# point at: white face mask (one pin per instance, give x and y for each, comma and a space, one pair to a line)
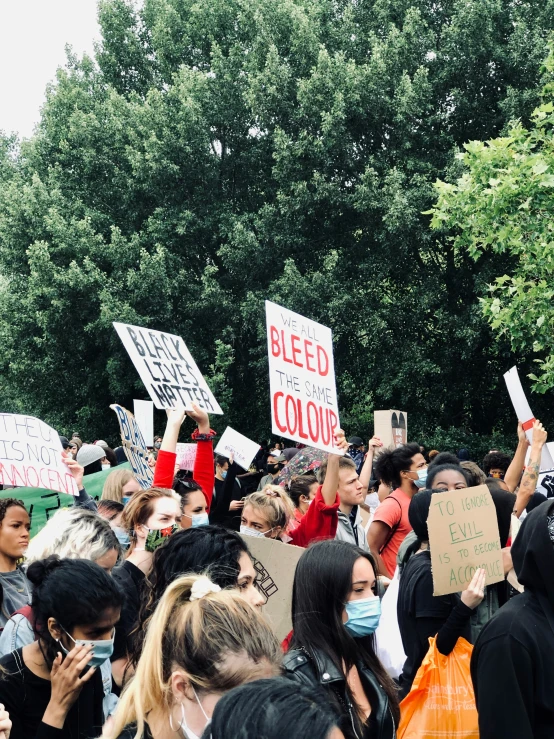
184, 728
246, 531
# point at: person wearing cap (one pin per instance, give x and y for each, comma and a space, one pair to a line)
63, 441
357, 452
90, 457
275, 463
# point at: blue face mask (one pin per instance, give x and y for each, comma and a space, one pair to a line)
421, 478
198, 519
363, 616
126, 499
122, 537
224, 474
103, 649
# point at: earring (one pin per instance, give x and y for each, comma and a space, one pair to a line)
180, 723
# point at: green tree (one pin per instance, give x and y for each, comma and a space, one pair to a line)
503, 204
217, 154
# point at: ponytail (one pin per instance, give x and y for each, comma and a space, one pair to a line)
274, 504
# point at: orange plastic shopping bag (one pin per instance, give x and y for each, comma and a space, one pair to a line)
441, 702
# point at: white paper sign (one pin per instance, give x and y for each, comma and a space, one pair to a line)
186, 456
301, 378
144, 416
167, 368
31, 455
525, 414
134, 446
241, 447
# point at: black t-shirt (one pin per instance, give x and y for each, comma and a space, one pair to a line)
25, 696
421, 615
132, 581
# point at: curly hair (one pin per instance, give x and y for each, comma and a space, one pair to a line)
6, 503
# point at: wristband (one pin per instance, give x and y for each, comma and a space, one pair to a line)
197, 436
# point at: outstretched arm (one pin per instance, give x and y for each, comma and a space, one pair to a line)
530, 477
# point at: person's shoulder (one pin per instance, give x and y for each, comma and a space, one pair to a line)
520, 619
12, 665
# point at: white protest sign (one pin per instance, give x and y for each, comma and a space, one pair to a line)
525, 414
167, 368
31, 455
241, 447
186, 456
301, 378
134, 446
144, 416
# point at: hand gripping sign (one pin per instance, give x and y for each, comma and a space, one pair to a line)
167, 369
301, 378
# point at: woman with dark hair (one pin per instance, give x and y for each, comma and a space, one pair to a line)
335, 612
447, 477
52, 687
218, 552
302, 490
15, 526
420, 613
274, 708
405, 470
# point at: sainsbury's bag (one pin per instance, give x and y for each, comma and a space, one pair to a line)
441, 702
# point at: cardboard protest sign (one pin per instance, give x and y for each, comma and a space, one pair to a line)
463, 536
391, 427
144, 416
525, 414
31, 455
275, 565
241, 447
186, 456
132, 442
301, 378
166, 368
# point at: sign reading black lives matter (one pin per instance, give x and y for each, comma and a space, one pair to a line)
167, 369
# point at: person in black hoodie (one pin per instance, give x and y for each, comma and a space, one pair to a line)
512, 666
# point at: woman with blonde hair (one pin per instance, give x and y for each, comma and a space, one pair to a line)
181, 673
120, 485
149, 518
270, 512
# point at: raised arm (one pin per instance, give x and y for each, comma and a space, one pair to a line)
515, 470
331, 482
365, 474
530, 477
165, 464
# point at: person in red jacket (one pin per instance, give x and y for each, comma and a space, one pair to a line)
196, 494
270, 512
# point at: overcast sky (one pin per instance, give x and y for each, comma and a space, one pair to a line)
33, 35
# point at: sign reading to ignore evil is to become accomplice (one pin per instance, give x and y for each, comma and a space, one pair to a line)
463, 536
31, 455
167, 369
134, 447
301, 378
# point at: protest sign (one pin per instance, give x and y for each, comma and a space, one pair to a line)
463, 536
391, 427
301, 378
166, 368
31, 455
545, 484
144, 416
133, 444
186, 456
275, 565
525, 415
241, 447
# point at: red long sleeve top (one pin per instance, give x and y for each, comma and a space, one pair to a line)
203, 472
319, 522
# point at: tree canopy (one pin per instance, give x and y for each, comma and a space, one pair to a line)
213, 155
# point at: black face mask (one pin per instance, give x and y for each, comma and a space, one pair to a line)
273, 468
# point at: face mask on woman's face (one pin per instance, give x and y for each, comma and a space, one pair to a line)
198, 519
247, 531
363, 616
103, 649
224, 474
122, 537
156, 537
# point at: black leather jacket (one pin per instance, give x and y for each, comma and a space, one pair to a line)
298, 666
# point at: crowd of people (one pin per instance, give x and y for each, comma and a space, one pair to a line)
139, 614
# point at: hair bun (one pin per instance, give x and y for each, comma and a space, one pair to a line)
38, 571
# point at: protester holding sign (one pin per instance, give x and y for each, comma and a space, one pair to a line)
405, 469
201, 642
52, 687
335, 612
149, 518
352, 494
15, 526
271, 512
420, 613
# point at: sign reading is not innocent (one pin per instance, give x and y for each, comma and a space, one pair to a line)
166, 368
463, 536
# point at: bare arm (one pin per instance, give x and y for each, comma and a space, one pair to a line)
515, 470
331, 482
365, 474
377, 537
531, 475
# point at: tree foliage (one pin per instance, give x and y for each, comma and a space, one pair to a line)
213, 155
503, 204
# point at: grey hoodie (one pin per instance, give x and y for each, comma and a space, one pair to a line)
345, 532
